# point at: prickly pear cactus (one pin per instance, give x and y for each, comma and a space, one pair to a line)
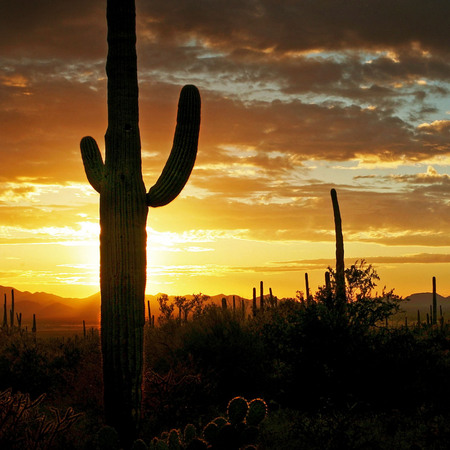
240, 429
257, 411
210, 432
237, 410
190, 432
174, 440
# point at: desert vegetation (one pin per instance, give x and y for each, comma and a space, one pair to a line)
320, 370
330, 378
329, 369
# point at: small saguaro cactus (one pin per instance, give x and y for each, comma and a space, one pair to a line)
11, 312
5, 317
19, 321
124, 205
434, 309
307, 286
261, 295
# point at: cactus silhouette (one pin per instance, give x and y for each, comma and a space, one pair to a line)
341, 298
11, 312
5, 317
237, 410
239, 430
124, 206
434, 303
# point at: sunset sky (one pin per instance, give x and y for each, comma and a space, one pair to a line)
298, 97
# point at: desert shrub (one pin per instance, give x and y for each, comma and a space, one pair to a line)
315, 360
226, 352
24, 423
351, 428
308, 357
305, 356
25, 366
417, 367
193, 366
67, 370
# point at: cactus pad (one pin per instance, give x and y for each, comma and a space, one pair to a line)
237, 410
210, 431
257, 412
190, 433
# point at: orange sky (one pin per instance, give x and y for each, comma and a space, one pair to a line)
297, 98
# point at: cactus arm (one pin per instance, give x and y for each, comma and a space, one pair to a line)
184, 150
92, 161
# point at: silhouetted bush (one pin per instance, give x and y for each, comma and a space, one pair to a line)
329, 379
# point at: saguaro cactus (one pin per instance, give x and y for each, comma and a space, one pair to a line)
261, 295
5, 317
341, 298
11, 312
434, 304
123, 214
307, 286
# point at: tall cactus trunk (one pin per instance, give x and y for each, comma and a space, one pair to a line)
341, 298
123, 215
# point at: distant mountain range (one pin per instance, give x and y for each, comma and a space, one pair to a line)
422, 302
52, 308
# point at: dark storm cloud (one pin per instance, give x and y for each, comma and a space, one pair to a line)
409, 81
294, 25
53, 29
47, 46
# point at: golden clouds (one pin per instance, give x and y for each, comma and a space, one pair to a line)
297, 98
14, 80
437, 126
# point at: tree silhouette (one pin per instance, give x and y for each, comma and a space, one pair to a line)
123, 214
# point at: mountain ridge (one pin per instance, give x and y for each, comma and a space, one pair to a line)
51, 307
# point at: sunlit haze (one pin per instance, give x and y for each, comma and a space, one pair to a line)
297, 98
